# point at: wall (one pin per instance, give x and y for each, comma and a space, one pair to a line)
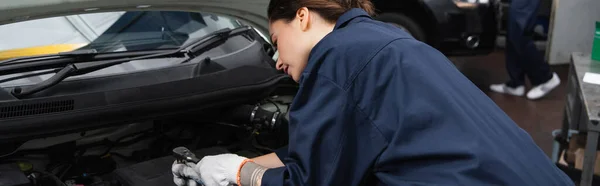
571, 29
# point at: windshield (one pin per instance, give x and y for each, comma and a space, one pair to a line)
108, 32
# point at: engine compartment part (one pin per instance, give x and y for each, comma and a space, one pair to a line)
153, 172
141, 153
105, 108
183, 155
159, 87
11, 175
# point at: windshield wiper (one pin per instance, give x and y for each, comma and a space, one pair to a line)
214, 39
59, 61
193, 49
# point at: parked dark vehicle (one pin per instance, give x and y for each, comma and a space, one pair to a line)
455, 27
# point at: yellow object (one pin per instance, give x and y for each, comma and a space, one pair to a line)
25, 166
38, 50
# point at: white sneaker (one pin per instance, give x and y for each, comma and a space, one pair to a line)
502, 88
544, 88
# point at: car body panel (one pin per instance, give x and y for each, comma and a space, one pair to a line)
455, 24
481, 21
237, 71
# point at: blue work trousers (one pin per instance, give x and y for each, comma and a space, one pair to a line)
522, 56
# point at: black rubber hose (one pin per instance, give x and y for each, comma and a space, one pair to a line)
255, 117
240, 115
247, 115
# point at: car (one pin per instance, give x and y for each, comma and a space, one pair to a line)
102, 92
454, 27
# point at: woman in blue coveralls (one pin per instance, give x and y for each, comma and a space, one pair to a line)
522, 56
377, 107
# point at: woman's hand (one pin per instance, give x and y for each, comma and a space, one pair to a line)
219, 170
185, 175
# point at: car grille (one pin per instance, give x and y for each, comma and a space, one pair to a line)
36, 108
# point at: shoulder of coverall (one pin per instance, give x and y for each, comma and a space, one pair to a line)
356, 39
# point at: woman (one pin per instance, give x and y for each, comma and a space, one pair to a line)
376, 106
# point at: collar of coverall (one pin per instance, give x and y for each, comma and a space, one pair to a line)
342, 21
349, 16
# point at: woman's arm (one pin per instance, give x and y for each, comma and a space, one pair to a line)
268, 160
331, 142
272, 160
261, 164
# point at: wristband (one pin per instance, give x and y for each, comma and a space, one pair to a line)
251, 174
238, 177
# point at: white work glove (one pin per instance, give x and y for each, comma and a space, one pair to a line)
218, 170
185, 175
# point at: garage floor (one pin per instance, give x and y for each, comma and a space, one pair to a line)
539, 117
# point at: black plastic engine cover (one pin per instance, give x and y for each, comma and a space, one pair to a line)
156, 172
10, 175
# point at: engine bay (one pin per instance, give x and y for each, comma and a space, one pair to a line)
140, 153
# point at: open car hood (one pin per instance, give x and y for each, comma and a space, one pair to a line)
252, 11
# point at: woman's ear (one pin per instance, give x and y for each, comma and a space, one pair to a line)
303, 16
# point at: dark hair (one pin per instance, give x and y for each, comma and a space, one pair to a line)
330, 10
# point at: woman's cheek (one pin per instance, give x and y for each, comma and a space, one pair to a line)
297, 74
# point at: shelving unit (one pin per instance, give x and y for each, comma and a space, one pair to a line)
582, 110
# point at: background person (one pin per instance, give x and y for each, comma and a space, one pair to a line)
522, 56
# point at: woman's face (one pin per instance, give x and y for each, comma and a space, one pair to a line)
295, 39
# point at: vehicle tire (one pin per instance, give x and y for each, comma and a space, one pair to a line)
404, 22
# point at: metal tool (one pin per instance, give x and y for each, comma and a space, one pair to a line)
183, 155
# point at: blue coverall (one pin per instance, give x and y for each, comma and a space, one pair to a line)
377, 107
522, 56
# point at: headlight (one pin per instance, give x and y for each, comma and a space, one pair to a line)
470, 3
